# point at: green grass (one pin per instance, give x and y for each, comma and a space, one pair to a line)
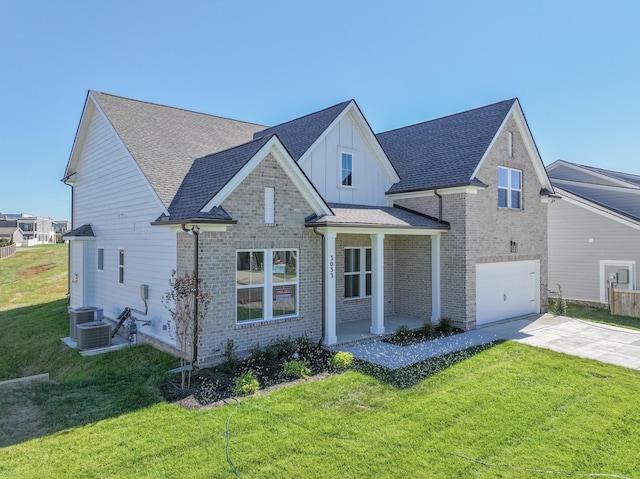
510, 405
600, 315
513, 406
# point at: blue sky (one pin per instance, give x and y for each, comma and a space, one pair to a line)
574, 65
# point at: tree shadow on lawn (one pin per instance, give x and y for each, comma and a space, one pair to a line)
83, 389
408, 376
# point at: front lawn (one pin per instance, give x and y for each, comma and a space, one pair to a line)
516, 407
500, 411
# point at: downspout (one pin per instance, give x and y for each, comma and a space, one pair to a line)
435, 192
196, 233
64, 180
315, 230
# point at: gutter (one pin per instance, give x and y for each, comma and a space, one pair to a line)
435, 192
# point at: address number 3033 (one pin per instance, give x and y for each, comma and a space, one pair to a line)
331, 269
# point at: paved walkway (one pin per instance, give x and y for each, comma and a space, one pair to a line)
601, 342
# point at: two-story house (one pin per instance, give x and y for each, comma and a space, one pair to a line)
300, 228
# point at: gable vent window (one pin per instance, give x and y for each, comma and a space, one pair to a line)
509, 188
269, 206
510, 144
346, 174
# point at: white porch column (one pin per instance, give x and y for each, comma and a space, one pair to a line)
436, 313
377, 283
329, 299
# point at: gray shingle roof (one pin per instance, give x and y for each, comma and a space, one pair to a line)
84, 230
206, 177
445, 151
376, 216
624, 200
165, 141
298, 135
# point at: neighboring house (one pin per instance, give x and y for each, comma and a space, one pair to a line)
35, 229
11, 233
303, 227
594, 231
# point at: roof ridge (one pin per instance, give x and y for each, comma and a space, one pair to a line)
264, 138
175, 108
602, 171
305, 116
451, 115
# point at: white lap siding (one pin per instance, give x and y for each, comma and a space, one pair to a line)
112, 195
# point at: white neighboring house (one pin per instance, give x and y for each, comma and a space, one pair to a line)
308, 226
35, 229
594, 231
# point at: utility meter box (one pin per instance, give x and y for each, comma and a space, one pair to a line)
622, 276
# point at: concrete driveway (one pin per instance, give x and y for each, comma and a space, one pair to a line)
604, 343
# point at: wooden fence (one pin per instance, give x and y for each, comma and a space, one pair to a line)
624, 302
6, 251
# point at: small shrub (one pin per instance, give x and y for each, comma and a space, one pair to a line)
428, 329
296, 369
255, 353
246, 384
445, 326
401, 334
230, 361
341, 360
304, 346
284, 347
560, 304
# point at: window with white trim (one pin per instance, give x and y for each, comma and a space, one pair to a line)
357, 272
100, 259
121, 266
266, 284
509, 188
346, 170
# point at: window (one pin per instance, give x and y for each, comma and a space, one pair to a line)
346, 175
357, 273
266, 284
100, 259
121, 266
509, 188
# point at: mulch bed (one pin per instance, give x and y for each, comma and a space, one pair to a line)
407, 337
212, 387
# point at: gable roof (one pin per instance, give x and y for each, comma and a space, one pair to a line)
205, 179
84, 231
212, 178
446, 151
298, 135
614, 191
164, 141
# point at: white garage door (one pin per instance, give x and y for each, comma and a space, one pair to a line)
507, 290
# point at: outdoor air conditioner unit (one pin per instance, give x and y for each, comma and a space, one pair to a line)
96, 334
82, 315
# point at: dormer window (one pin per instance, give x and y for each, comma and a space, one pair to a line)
509, 188
346, 174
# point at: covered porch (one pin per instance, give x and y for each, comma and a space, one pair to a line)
372, 224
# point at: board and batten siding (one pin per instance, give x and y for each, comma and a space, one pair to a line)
322, 165
112, 195
574, 260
